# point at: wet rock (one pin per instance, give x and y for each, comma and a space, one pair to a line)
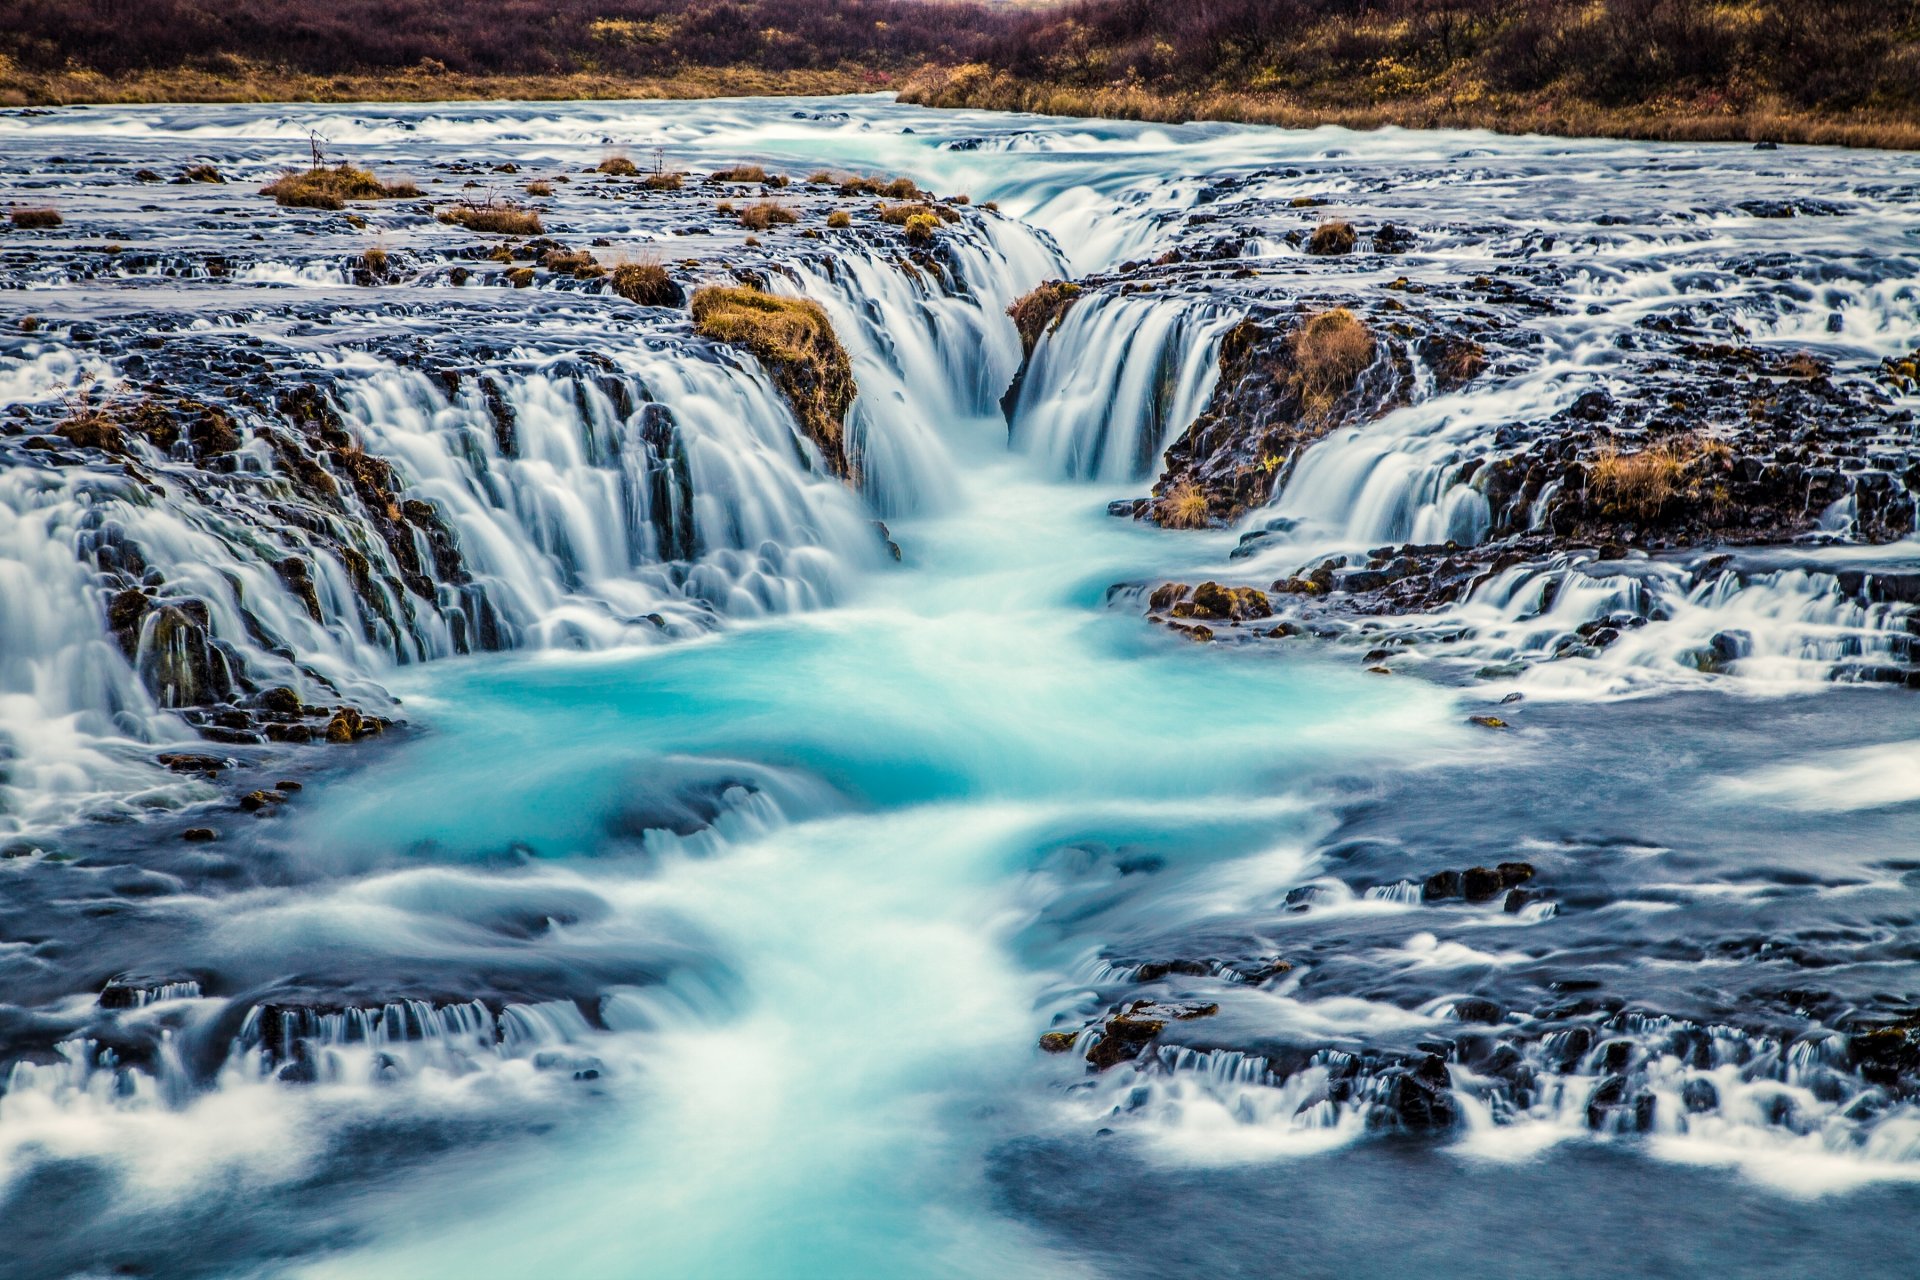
1415, 1096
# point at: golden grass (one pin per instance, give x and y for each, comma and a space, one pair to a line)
758, 217
1040, 309
1330, 351
1331, 239
35, 219
662, 182
646, 283
618, 166
920, 228
1183, 507
258, 82
839, 219
741, 173
794, 341
493, 219
975, 85
322, 188
539, 188
1640, 485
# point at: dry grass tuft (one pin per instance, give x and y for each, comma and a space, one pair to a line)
758, 217
663, 182
618, 166
742, 173
1638, 485
198, 173
35, 219
493, 219
794, 341
920, 228
1184, 506
1332, 239
322, 188
1330, 352
539, 188
839, 220
1041, 309
1642, 484
647, 284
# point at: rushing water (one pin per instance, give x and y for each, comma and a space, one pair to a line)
720, 944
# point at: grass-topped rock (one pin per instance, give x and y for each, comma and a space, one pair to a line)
330, 188
794, 341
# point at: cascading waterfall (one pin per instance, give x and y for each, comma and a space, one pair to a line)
1116, 380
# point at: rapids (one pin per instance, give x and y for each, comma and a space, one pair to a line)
706, 919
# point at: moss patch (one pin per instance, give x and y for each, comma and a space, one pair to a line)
793, 339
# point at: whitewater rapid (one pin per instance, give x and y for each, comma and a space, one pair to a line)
711, 926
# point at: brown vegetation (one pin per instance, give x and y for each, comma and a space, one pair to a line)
1184, 506
742, 173
1040, 309
493, 219
1332, 239
647, 284
1330, 352
839, 220
662, 182
794, 341
758, 217
324, 188
1640, 485
618, 166
1830, 71
35, 219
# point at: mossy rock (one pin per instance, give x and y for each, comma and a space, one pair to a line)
794, 341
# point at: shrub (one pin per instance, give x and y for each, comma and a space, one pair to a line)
494, 219
619, 167
520, 277
920, 228
198, 173
821, 178
375, 261
647, 284
36, 219
1184, 506
839, 219
1041, 309
1332, 239
758, 217
539, 188
663, 182
322, 188
741, 173
794, 341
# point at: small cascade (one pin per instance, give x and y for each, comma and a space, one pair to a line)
932, 353
1117, 379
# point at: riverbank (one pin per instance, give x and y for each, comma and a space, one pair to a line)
251, 82
1662, 120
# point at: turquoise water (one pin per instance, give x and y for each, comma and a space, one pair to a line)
876, 957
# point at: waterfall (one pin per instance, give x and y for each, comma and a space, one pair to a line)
1116, 381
